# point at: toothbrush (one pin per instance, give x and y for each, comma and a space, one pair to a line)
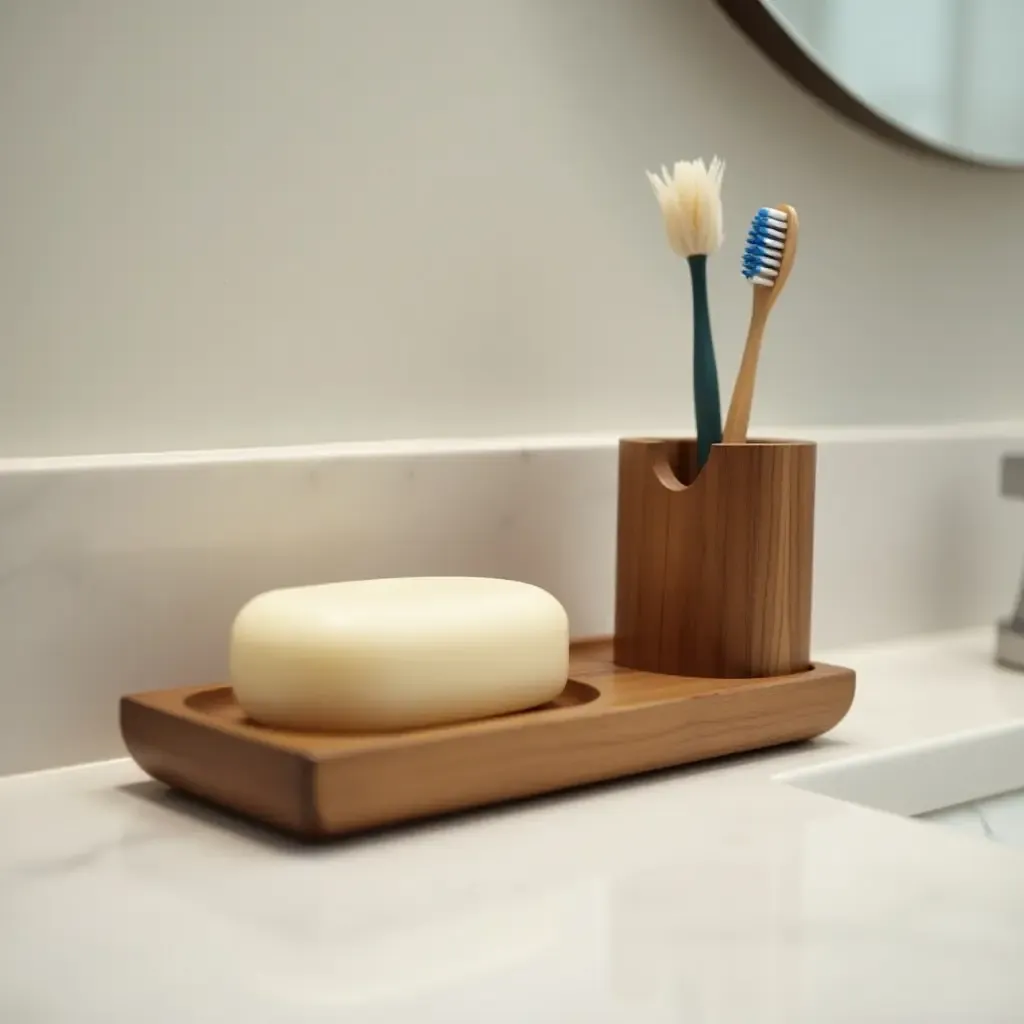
691, 204
767, 261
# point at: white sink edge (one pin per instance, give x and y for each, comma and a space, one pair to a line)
924, 776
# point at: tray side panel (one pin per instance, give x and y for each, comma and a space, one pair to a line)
272, 784
377, 787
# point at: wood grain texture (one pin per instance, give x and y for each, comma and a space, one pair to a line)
609, 722
713, 576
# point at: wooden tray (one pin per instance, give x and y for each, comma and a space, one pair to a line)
608, 722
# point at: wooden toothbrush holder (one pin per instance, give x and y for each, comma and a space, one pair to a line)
713, 571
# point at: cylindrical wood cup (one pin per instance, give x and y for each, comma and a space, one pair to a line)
713, 572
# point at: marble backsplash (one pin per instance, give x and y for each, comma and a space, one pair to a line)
123, 574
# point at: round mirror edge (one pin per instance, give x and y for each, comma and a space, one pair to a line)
769, 35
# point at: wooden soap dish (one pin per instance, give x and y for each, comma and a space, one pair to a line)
608, 722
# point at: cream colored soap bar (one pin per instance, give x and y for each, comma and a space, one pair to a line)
397, 653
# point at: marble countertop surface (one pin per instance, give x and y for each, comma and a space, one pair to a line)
708, 894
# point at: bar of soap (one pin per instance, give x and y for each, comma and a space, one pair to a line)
377, 655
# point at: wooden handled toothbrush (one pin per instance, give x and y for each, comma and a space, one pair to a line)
767, 261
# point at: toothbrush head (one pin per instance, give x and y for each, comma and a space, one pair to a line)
771, 247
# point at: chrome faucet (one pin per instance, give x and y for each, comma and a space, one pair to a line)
1010, 638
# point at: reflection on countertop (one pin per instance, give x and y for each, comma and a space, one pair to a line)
704, 894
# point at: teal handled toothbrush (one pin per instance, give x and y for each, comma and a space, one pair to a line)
691, 203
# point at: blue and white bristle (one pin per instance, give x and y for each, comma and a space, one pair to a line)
765, 243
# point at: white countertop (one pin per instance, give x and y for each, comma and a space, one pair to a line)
709, 894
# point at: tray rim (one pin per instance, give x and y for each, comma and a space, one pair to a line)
173, 702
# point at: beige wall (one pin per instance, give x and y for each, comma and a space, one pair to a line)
236, 222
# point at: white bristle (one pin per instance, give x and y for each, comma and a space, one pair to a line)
766, 247
690, 197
